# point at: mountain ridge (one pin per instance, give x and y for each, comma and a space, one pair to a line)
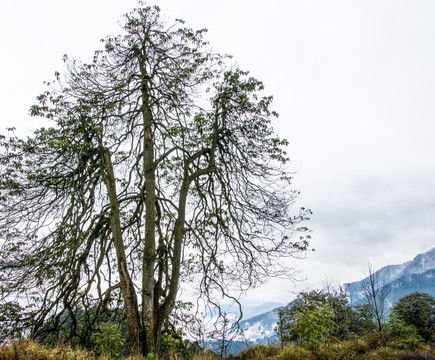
394, 275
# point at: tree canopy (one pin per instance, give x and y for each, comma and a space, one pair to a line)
417, 309
159, 165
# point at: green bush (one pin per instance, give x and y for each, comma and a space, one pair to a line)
108, 340
314, 325
407, 334
376, 339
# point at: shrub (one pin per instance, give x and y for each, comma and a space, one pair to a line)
417, 309
376, 339
108, 340
406, 334
313, 326
358, 346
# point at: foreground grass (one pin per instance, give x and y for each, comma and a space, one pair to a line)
32, 351
375, 346
371, 347
28, 350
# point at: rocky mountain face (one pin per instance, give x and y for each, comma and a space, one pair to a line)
400, 280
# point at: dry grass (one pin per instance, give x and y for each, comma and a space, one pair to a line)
259, 352
207, 356
293, 352
373, 347
28, 350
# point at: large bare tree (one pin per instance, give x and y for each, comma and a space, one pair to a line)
159, 165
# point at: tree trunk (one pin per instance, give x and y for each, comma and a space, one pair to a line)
126, 283
149, 252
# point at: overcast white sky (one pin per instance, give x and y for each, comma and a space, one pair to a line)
353, 81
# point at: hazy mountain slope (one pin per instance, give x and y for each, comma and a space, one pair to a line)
422, 282
402, 279
260, 326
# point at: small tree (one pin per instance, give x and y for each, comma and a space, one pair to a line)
282, 328
108, 340
407, 333
10, 325
417, 309
364, 320
314, 325
223, 333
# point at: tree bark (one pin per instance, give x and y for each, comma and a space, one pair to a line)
149, 252
126, 283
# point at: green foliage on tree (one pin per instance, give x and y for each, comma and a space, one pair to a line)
408, 334
11, 324
173, 344
364, 319
314, 325
347, 319
282, 328
418, 310
159, 164
307, 320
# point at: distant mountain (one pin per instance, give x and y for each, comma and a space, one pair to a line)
257, 330
423, 282
253, 309
400, 280
260, 326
